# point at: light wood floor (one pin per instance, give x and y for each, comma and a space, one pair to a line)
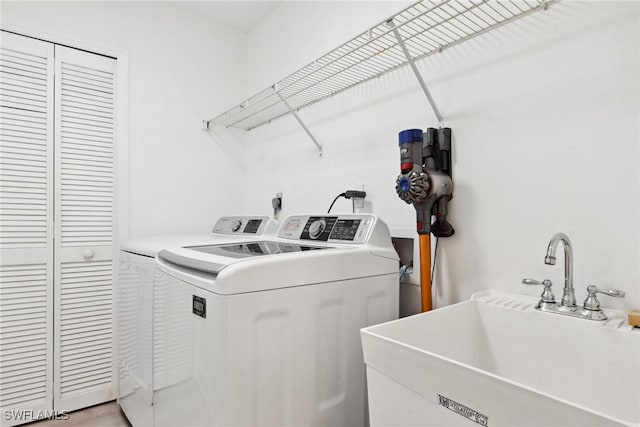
105, 415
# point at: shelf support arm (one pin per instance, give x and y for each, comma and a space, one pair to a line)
412, 64
295, 114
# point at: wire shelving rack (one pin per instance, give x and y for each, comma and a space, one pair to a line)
420, 30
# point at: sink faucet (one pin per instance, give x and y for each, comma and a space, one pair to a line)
568, 296
591, 307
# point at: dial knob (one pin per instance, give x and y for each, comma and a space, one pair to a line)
316, 228
235, 225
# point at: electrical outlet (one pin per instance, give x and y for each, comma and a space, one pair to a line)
276, 203
357, 202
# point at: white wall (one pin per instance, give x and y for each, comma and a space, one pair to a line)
544, 111
298, 32
546, 121
182, 69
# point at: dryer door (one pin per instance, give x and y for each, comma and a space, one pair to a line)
134, 294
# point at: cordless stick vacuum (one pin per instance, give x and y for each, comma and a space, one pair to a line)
425, 182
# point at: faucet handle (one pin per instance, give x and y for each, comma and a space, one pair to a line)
592, 303
547, 294
546, 282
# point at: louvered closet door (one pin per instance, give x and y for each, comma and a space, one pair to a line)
26, 230
84, 164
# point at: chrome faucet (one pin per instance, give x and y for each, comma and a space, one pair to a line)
591, 307
568, 301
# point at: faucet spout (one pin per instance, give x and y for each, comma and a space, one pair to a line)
568, 297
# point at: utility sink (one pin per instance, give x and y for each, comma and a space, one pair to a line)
495, 360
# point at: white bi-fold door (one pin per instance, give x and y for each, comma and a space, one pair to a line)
84, 227
26, 226
57, 162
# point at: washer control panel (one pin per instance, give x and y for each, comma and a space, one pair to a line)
241, 225
329, 228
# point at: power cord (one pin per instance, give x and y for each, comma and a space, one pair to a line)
349, 194
433, 270
334, 201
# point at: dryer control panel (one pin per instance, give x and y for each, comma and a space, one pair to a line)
241, 225
328, 228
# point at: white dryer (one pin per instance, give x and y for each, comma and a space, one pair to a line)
140, 310
268, 331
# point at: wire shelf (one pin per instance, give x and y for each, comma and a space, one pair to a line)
426, 27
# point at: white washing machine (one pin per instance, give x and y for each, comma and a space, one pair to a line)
268, 331
140, 311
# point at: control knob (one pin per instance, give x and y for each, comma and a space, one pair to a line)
316, 228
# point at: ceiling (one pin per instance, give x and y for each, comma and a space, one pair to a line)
240, 15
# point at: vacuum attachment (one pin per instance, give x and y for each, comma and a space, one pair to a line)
425, 178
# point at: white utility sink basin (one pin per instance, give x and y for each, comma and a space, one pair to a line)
495, 360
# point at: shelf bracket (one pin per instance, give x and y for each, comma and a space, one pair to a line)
412, 64
295, 114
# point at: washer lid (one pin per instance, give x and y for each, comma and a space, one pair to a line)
150, 246
250, 249
213, 258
